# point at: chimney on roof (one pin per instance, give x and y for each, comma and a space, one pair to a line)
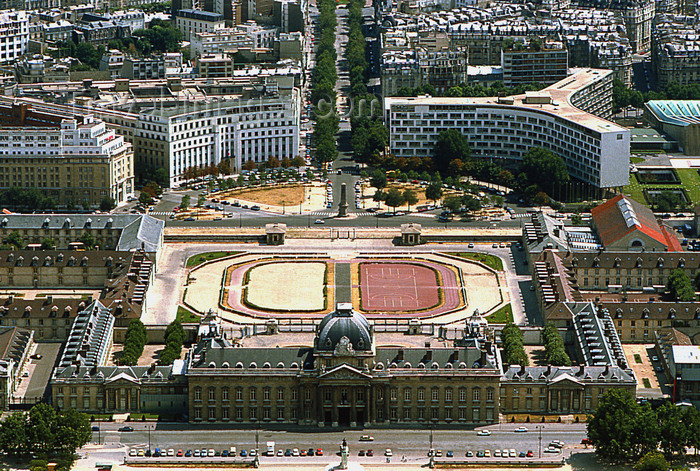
49, 298
399, 356
549, 370
522, 369
607, 370
11, 298
580, 370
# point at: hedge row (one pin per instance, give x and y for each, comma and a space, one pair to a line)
134, 342
554, 347
513, 349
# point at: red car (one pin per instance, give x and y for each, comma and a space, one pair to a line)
370, 453
530, 454
180, 453
319, 452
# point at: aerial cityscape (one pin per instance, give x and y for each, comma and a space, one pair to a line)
349, 234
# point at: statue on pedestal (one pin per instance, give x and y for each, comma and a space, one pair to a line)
344, 455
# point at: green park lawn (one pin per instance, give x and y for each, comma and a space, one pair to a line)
690, 181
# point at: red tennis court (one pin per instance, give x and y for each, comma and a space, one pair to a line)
397, 287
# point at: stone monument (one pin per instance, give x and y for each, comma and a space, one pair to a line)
343, 206
343, 453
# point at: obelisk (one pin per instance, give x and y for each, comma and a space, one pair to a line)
343, 206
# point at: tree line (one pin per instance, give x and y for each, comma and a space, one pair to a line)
623, 430
468, 90
554, 349
513, 349
174, 338
323, 86
134, 341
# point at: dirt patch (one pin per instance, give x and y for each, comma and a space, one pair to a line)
645, 369
291, 195
418, 190
536, 354
287, 286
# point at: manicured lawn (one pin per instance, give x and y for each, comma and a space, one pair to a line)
489, 260
637, 160
647, 383
502, 316
638, 358
101, 417
140, 416
690, 181
195, 260
187, 317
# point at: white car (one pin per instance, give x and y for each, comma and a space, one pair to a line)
295, 452
132, 452
483, 433
387, 452
171, 452
520, 430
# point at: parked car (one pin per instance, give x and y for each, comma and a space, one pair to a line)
295, 452
530, 454
132, 452
388, 452
255, 207
469, 454
551, 449
449, 454
244, 453
188, 453
370, 453
361, 453
520, 430
127, 428
483, 433
366, 438
319, 452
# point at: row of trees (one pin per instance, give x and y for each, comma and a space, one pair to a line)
623, 430
134, 341
468, 90
623, 96
44, 430
160, 36
174, 338
554, 347
323, 85
14, 240
513, 349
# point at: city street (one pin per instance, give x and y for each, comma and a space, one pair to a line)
414, 444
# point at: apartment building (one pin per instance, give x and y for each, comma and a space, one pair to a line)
75, 160
14, 35
215, 66
220, 41
547, 65
638, 16
190, 22
559, 118
411, 68
675, 53
153, 67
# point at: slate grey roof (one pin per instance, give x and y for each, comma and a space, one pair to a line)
111, 373
145, 232
59, 221
211, 354
585, 374
422, 358
89, 338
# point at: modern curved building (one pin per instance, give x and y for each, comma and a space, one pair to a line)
567, 118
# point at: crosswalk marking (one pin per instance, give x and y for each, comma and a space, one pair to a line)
160, 213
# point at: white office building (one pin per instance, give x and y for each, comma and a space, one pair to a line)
14, 35
558, 118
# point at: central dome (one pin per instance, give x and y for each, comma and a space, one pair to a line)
344, 322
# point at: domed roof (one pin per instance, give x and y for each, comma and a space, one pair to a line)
344, 322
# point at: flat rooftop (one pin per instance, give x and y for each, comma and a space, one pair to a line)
560, 105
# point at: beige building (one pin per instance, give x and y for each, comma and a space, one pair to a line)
215, 66
73, 160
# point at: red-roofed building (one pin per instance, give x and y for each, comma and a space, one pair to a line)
623, 224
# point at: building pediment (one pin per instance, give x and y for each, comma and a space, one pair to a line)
344, 372
566, 381
122, 378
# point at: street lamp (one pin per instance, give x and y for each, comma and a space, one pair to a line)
148, 427
539, 429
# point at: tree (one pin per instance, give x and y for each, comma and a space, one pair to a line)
652, 461
145, 198
185, 202
379, 196
621, 429
47, 243
107, 203
200, 200
451, 145
378, 180
555, 351
87, 239
471, 203
545, 169
14, 239
667, 201
394, 198
679, 286
249, 165
675, 436
409, 196
13, 434
577, 220
453, 203
434, 191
